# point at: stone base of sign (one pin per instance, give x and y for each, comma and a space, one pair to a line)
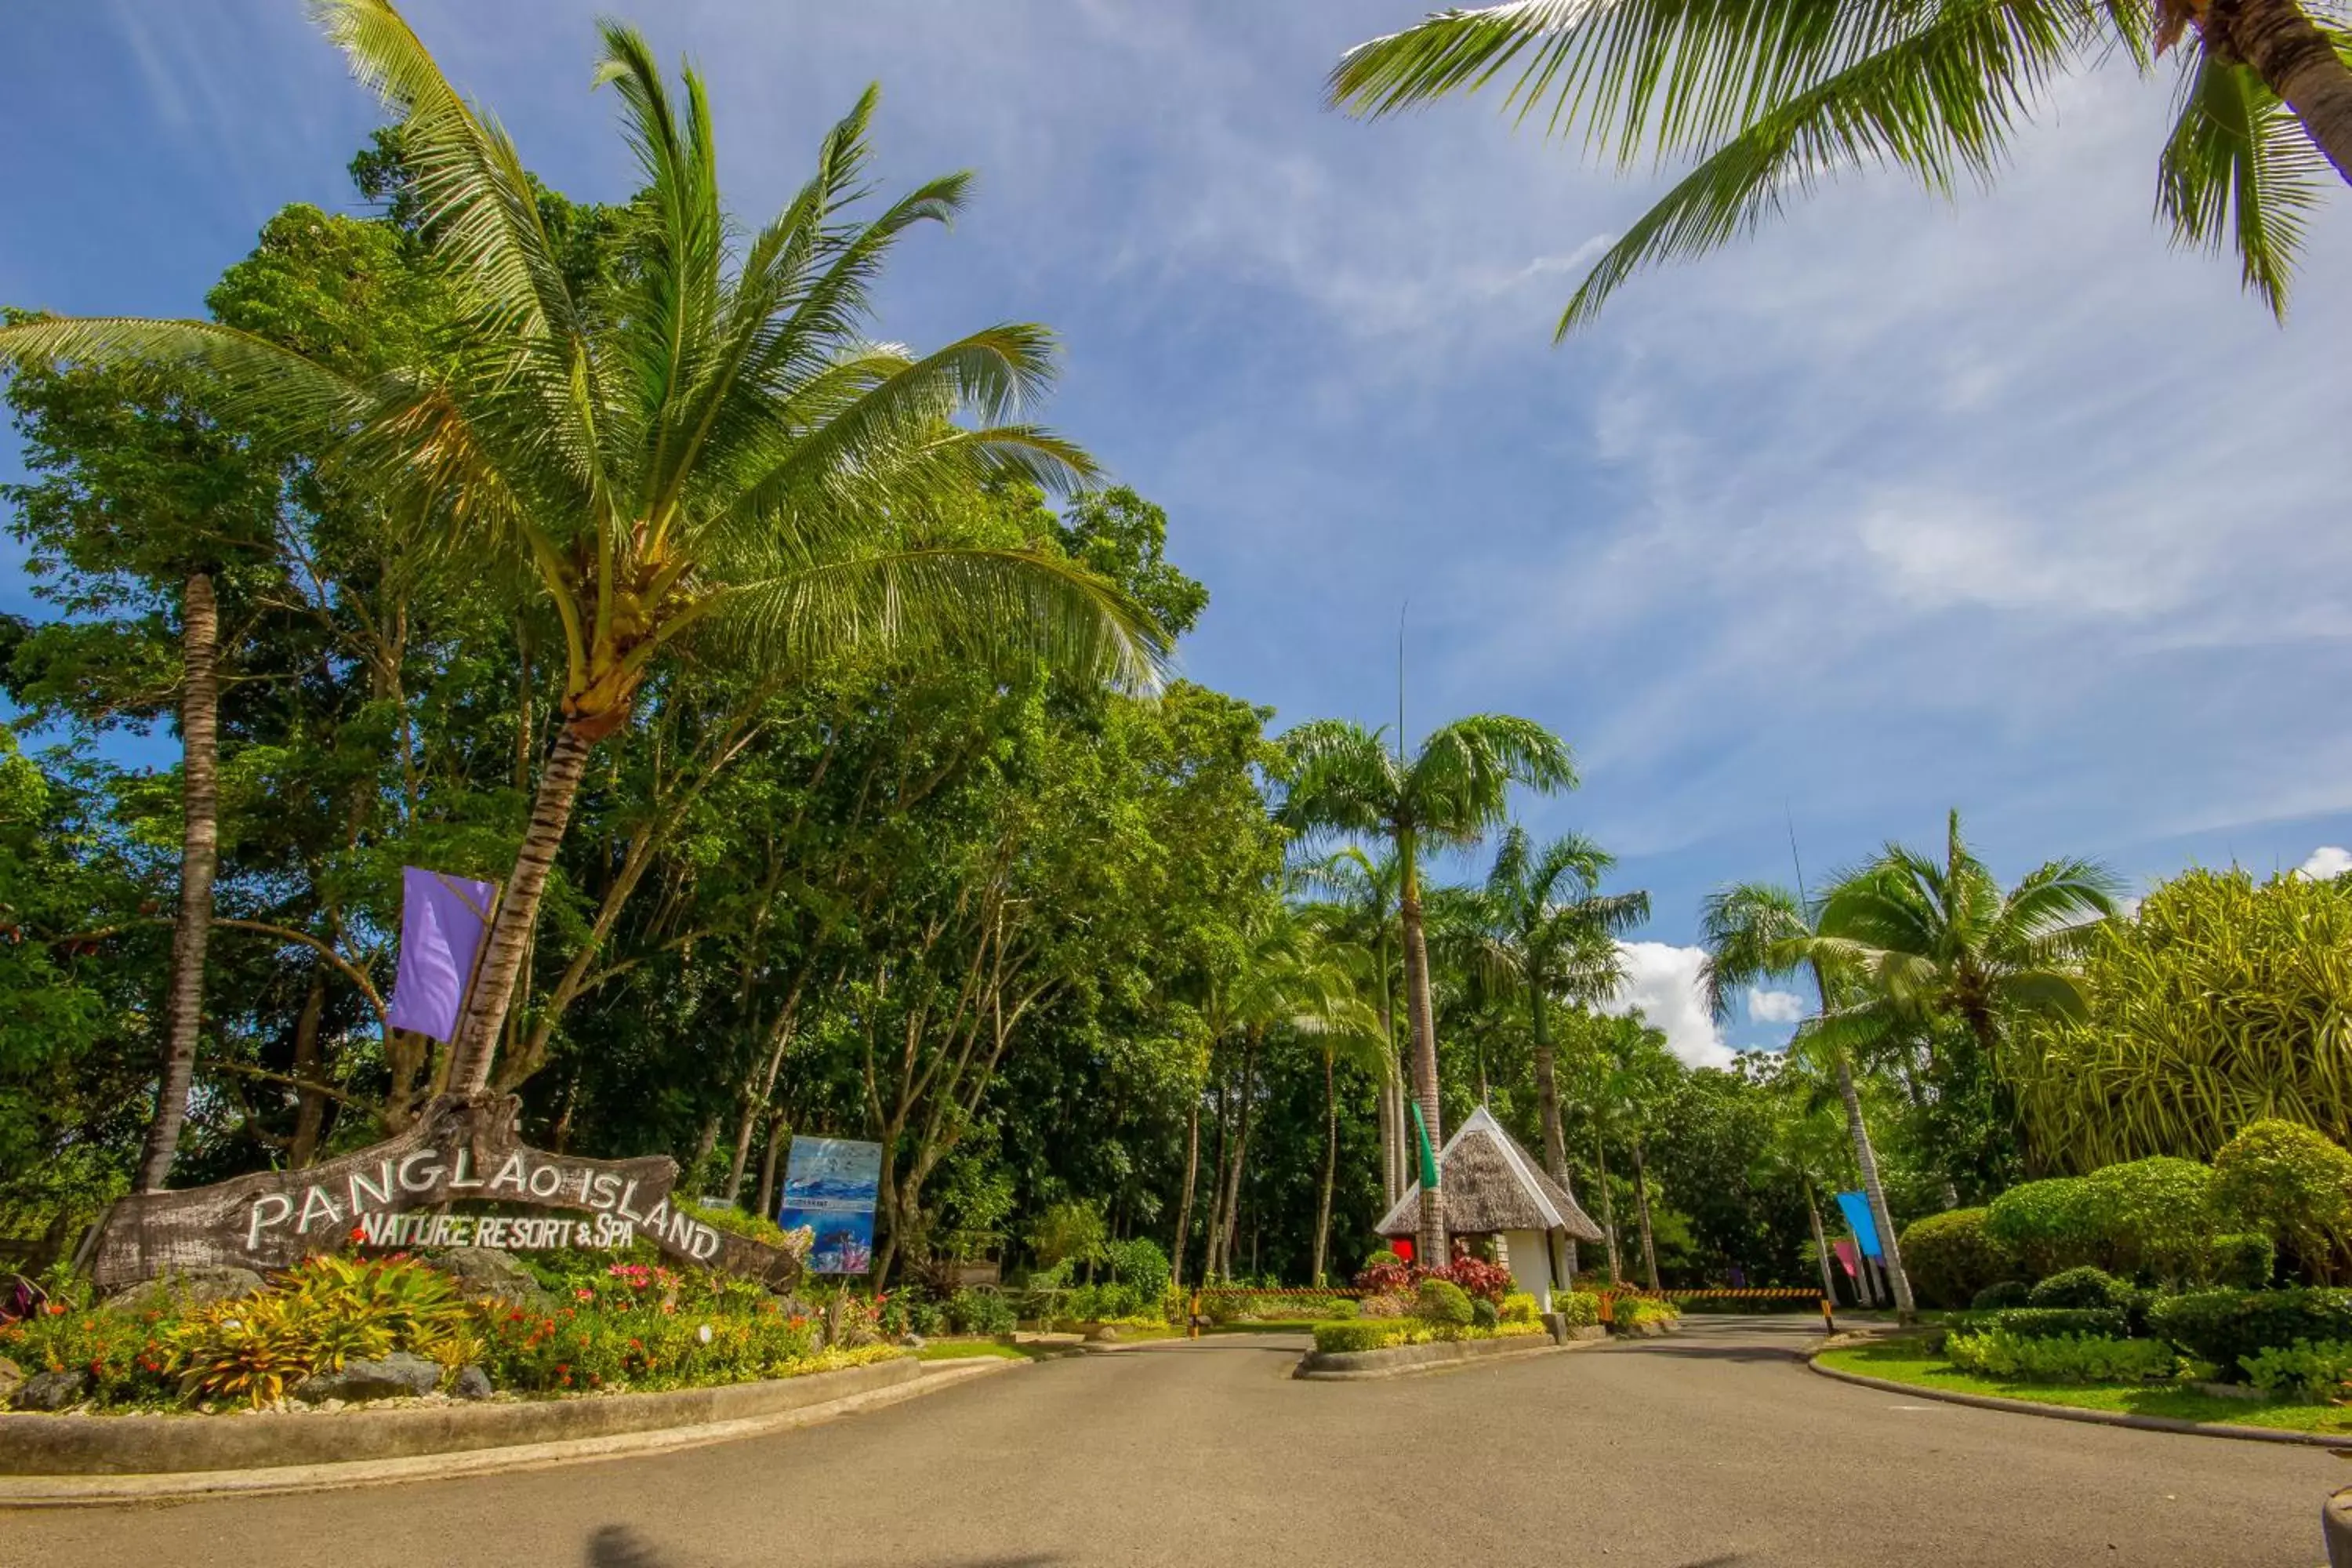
74, 1459
1399, 1360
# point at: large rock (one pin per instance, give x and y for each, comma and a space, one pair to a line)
12, 1378
192, 1287
485, 1273
53, 1391
472, 1382
399, 1375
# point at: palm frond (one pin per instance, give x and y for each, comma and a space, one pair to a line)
2239, 171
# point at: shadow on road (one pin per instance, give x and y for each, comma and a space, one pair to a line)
618, 1546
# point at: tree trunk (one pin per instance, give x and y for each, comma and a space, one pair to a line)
2294, 59
1607, 1209
518, 915
183, 997
776, 1145
1424, 1024
1548, 1091
1864, 1156
1821, 1245
1217, 1185
311, 1104
1390, 1188
1330, 1167
1184, 1205
1642, 1204
1240, 1158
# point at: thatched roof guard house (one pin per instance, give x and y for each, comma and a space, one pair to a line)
1491, 1186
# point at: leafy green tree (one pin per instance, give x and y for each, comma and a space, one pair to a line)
1343, 777
714, 450
1784, 96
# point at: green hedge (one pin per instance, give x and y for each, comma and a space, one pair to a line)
2071, 1359
1950, 1256
2049, 1225
1366, 1334
2226, 1326
1580, 1307
2289, 1183
2051, 1322
2083, 1287
2001, 1295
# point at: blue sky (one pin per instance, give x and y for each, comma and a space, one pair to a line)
1905, 504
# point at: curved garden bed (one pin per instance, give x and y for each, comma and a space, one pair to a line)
32, 1445
1394, 1361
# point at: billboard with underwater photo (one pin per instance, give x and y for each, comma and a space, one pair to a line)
830, 1187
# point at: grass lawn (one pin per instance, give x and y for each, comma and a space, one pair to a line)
963, 1350
1905, 1361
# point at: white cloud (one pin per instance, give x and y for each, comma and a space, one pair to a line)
2327, 860
1662, 980
1774, 1007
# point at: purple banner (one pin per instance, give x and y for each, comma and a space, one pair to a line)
442, 921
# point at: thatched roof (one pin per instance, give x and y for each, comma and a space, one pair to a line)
1489, 1183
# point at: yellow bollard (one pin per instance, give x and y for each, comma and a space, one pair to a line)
1829, 1321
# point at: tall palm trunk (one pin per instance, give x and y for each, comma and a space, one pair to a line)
1642, 1204
1820, 1244
1240, 1158
1608, 1207
184, 998
517, 914
1184, 1206
1217, 1185
2294, 59
1868, 1160
1548, 1091
1419, 1014
1330, 1167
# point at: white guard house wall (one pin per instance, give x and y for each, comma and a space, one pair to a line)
1531, 1262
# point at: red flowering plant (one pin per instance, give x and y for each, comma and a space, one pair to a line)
1478, 1277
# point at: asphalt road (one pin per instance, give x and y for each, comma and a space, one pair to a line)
1715, 1449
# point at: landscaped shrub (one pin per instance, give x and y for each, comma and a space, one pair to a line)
1479, 1277
1392, 1304
1580, 1307
2155, 1215
2083, 1287
1366, 1334
1519, 1307
2292, 1184
2053, 1322
2049, 1226
1443, 1303
2073, 1359
728, 1217
2244, 1261
979, 1312
2303, 1370
1950, 1256
1384, 1273
2224, 1327
1139, 1264
2005, 1294
1632, 1312
1482, 1314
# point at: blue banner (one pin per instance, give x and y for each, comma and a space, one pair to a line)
1856, 1208
830, 1187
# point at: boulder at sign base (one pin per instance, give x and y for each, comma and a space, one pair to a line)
53, 1391
472, 1382
486, 1273
195, 1287
12, 1378
396, 1376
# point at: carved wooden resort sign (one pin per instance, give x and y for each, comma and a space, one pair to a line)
398, 1192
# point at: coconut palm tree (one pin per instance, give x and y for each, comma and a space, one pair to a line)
1754, 931
1343, 777
1551, 935
1782, 95
1328, 979
1361, 908
1933, 935
714, 451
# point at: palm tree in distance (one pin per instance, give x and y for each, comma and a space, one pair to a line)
1782, 94
714, 451
1942, 935
1551, 934
1345, 778
1359, 907
1755, 931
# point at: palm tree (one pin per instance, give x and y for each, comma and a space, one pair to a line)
1362, 910
713, 450
1754, 931
1328, 979
1552, 934
1344, 777
1942, 936
1780, 96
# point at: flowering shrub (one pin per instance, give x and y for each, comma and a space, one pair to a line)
1519, 1307
1386, 1274
1395, 1304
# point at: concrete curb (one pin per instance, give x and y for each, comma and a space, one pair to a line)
1403, 1360
2093, 1417
92, 1490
